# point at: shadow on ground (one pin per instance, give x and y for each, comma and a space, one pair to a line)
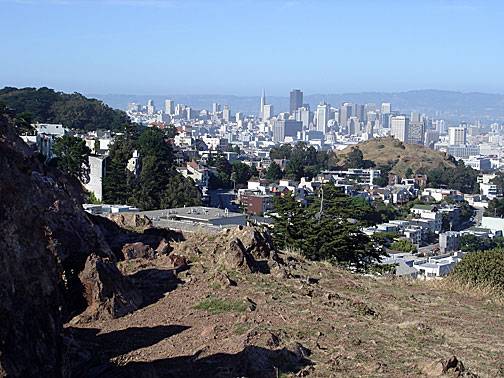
154, 283
89, 354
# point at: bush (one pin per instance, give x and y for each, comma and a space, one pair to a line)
403, 246
483, 269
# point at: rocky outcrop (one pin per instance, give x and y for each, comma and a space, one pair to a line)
45, 240
108, 293
137, 250
131, 221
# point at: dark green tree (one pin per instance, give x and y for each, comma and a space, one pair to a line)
117, 184
274, 172
179, 192
72, 157
495, 208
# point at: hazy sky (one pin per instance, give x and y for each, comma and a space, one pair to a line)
241, 46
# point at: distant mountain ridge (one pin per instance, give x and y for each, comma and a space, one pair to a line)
450, 105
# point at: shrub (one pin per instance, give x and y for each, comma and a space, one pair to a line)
482, 269
403, 246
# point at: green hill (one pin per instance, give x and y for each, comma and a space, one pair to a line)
72, 110
399, 156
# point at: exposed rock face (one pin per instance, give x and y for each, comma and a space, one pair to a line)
45, 241
137, 250
131, 221
108, 293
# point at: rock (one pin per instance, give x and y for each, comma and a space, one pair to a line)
137, 250
451, 367
178, 261
224, 279
163, 248
131, 221
208, 331
236, 257
108, 293
45, 240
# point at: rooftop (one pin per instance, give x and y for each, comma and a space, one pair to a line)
195, 213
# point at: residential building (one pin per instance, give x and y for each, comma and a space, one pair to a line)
97, 171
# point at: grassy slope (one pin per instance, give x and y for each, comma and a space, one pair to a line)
384, 150
354, 325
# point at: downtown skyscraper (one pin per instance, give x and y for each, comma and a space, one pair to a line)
296, 100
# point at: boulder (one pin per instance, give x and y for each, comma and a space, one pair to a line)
131, 221
108, 293
137, 250
163, 247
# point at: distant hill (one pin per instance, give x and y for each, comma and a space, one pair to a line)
72, 110
392, 152
449, 105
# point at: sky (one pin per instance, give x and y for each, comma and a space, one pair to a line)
241, 46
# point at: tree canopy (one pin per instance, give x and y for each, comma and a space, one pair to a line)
71, 110
72, 157
327, 229
158, 184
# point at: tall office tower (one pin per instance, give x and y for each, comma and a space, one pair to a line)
169, 107
239, 116
416, 132
215, 108
431, 137
358, 111
345, 113
371, 116
399, 128
305, 116
263, 102
386, 108
296, 100
267, 112
226, 113
440, 125
415, 117
285, 127
354, 126
180, 109
457, 135
189, 113
151, 109
322, 116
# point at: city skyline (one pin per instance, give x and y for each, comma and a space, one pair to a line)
240, 47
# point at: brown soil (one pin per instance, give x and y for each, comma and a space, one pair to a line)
302, 318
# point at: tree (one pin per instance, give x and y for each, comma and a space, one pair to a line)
403, 246
117, 184
481, 269
324, 231
495, 208
355, 158
72, 110
157, 169
72, 157
179, 192
241, 173
274, 172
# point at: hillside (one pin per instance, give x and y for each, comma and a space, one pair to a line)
86, 296
72, 110
390, 151
306, 318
